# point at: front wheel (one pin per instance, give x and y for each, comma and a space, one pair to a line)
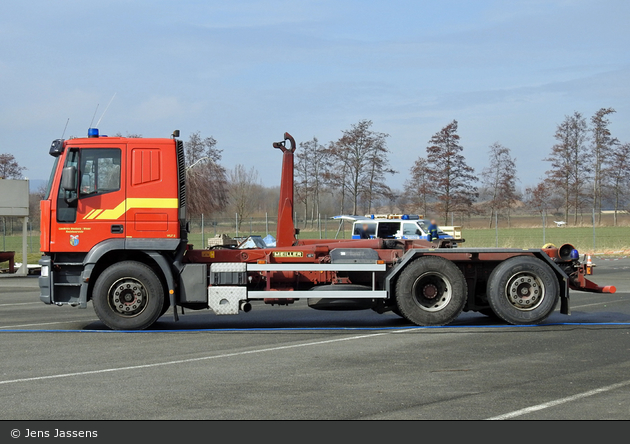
523, 290
431, 291
128, 296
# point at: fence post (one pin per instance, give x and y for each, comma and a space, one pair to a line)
319, 224
496, 228
593, 230
236, 226
203, 243
267, 223
544, 225
325, 227
250, 225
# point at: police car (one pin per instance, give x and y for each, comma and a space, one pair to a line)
397, 226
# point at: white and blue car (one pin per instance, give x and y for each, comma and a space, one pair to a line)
395, 226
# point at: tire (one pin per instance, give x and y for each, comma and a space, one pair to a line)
431, 291
523, 290
139, 285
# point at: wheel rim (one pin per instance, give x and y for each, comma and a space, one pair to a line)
432, 291
127, 297
525, 291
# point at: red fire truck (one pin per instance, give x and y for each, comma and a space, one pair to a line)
114, 232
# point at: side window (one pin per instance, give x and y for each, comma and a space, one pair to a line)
100, 171
388, 229
358, 228
66, 200
410, 229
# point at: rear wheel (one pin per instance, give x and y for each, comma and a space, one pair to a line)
431, 291
128, 296
523, 290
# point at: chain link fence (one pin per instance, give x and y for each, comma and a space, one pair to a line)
586, 238
203, 228
11, 231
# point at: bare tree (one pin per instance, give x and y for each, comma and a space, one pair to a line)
570, 162
601, 145
499, 178
335, 175
538, 198
418, 187
451, 179
243, 189
374, 185
9, 167
618, 173
358, 163
310, 168
206, 178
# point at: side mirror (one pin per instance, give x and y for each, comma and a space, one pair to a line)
69, 178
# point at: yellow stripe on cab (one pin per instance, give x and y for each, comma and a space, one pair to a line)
129, 204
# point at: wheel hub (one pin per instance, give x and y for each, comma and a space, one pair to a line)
127, 296
525, 291
432, 291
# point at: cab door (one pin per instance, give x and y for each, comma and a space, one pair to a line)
95, 211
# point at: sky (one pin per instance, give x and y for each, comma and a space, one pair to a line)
245, 72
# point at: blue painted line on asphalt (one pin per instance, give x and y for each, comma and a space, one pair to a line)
279, 329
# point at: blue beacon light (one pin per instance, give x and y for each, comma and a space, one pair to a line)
574, 254
92, 132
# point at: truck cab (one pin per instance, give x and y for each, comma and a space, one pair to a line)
107, 196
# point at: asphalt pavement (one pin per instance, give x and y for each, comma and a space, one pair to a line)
61, 363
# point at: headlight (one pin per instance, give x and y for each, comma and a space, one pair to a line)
44, 271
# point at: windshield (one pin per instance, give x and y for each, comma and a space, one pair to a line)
50, 179
424, 224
